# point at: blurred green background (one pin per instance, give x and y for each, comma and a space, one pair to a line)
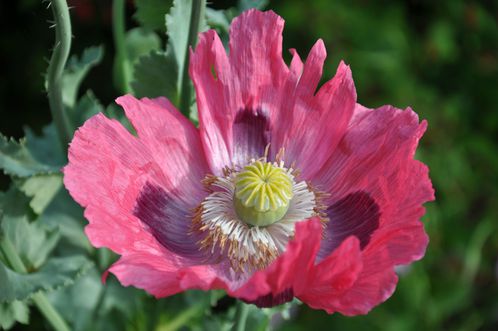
439, 57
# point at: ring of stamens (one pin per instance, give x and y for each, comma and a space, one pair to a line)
249, 246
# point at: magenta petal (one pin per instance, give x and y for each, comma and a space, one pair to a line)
173, 141
350, 281
210, 72
162, 275
312, 70
233, 121
256, 52
334, 276
310, 126
109, 169
376, 157
107, 166
296, 66
337, 99
375, 284
250, 98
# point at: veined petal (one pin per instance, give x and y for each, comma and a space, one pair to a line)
334, 276
375, 284
211, 72
107, 166
234, 124
109, 169
173, 141
311, 126
256, 52
356, 215
376, 194
250, 98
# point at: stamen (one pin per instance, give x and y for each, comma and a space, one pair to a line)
250, 214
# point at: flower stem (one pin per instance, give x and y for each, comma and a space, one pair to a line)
241, 316
39, 298
122, 73
195, 18
49, 312
56, 68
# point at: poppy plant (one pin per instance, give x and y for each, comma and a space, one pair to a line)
284, 190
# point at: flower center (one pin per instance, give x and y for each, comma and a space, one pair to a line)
250, 213
262, 193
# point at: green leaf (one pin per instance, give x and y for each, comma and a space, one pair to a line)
150, 13
41, 189
12, 312
177, 25
46, 148
156, 75
16, 159
194, 114
140, 42
136, 42
160, 73
14, 204
76, 70
31, 241
90, 305
220, 20
88, 105
77, 303
64, 214
248, 4
56, 273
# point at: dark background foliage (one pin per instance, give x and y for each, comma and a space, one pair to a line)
439, 57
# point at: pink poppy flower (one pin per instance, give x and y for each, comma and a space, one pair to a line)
283, 191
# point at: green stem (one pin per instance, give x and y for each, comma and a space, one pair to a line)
241, 316
122, 73
193, 30
56, 69
12, 257
49, 312
39, 298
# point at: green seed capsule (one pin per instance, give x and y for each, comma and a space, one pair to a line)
262, 193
